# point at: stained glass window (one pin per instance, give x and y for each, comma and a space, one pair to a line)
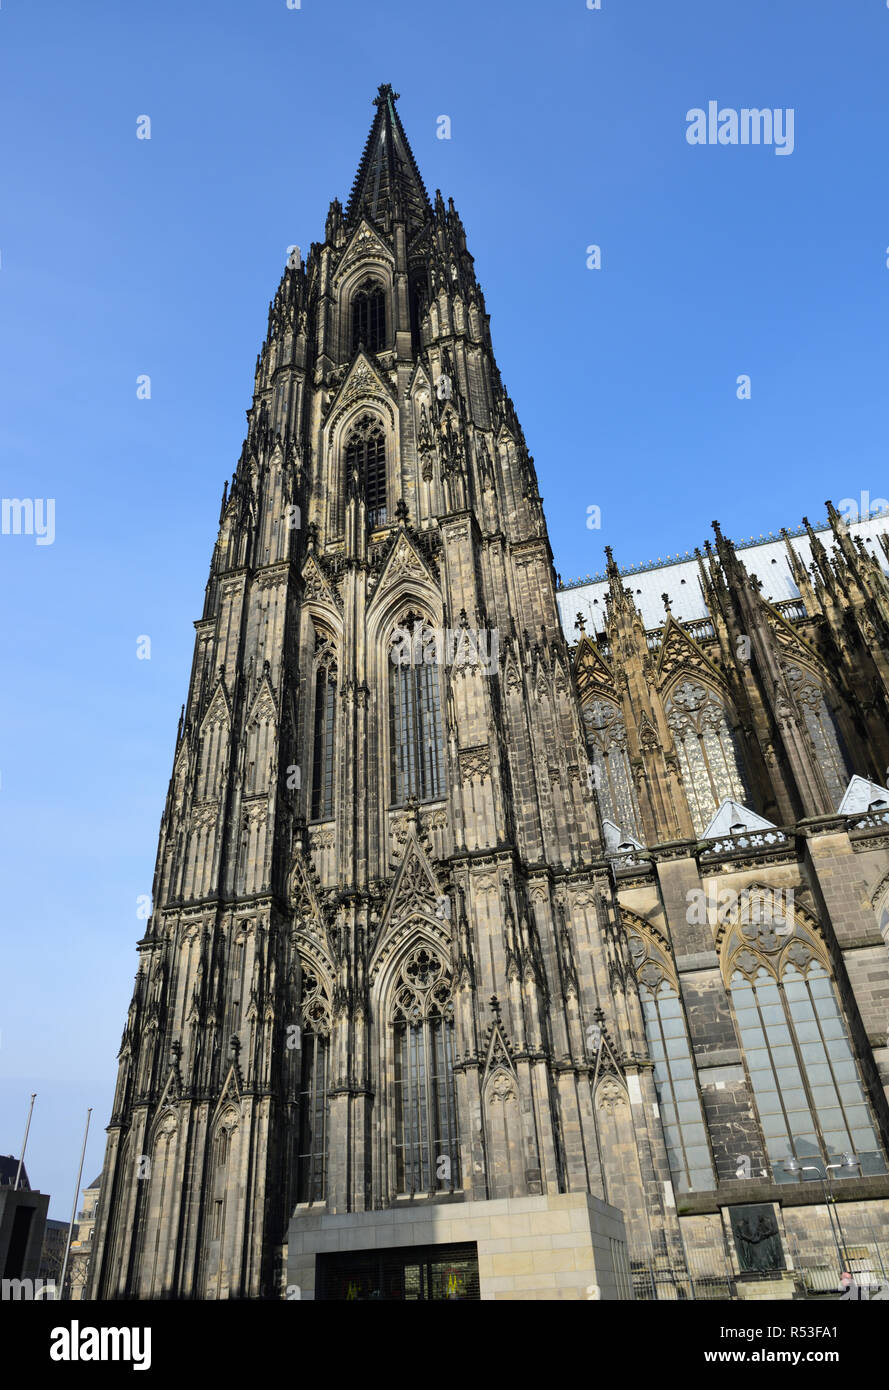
366, 459
606, 737
415, 729
313, 1100
369, 318
688, 1149
709, 755
426, 1157
811, 1101
324, 736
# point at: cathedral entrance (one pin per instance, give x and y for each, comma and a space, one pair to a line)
411, 1274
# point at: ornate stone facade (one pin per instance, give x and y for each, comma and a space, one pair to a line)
396, 953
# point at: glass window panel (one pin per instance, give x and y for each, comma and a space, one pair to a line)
685, 1090
812, 1052
833, 1028
681, 1067
807, 1145
824, 1095
821, 987
702, 1179
795, 1099
689, 1110
697, 1155
807, 1032
758, 1058
673, 1028
694, 1134
863, 1139
773, 1013
668, 1005
773, 1124
857, 1116
818, 1075
747, 1017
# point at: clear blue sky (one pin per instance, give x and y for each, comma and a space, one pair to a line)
120, 257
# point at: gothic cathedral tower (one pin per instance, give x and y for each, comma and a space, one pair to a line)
382, 934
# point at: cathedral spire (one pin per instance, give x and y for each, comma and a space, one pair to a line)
388, 185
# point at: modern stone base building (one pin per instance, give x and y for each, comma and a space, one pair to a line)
497, 952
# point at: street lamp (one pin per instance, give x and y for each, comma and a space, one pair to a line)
848, 1164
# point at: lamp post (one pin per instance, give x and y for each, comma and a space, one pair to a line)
849, 1162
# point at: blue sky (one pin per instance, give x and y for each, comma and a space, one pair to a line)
120, 257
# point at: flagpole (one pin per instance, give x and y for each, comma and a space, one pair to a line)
74, 1208
18, 1171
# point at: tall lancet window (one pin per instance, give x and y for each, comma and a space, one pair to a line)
709, 756
606, 738
314, 1062
803, 1072
679, 1101
369, 317
415, 726
825, 735
324, 730
366, 456
426, 1157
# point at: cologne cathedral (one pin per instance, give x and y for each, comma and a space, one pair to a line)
509, 940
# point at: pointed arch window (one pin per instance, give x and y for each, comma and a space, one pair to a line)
606, 739
425, 1102
415, 724
324, 731
805, 1080
679, 1101
366, 466
828, 743
369, 317
709, 753
311, 1176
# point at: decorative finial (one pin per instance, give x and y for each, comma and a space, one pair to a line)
384, 93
